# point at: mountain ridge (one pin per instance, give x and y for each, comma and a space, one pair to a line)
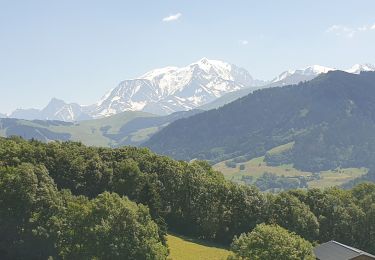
289, 77
56, 109
173, 89
204, 84
331, 119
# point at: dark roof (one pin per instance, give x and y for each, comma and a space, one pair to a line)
333, 250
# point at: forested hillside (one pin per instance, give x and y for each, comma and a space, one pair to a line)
329, 120
66, 200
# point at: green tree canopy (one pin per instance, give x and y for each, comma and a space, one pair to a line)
269, 242
28, 198
37, 221
107, 227
289, 212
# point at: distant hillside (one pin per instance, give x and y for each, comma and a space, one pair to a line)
228, 98
127, 128
330, 120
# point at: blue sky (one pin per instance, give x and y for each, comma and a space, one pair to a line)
77, 50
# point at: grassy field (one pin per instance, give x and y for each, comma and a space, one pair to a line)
337, 177
182, 248
257, 166
281, 148
90, 133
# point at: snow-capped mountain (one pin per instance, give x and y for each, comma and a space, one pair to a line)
290, 77
3, 115
55, 110
358, 68
172, 89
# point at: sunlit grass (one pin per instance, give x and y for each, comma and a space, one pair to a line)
257, 167
183, 248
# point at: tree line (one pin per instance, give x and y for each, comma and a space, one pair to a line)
85, 202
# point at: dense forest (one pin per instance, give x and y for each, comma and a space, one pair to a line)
330, 121
66, 200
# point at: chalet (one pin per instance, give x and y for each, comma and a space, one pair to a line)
333, 250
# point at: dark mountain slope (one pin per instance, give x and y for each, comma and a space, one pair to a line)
330, 119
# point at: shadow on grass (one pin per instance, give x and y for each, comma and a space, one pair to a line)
199, 241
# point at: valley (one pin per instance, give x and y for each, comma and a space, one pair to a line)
187, 130
251, 172
310, 135
255, 168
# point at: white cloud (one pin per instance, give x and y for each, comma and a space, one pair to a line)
341, 30
244, 42
172, 17
363, 28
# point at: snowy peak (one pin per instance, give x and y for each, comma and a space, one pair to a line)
55, 110
316, 70
212, 67
358, 68
309, 71
171, 89
220, 68
172, 79
158, 72
295, 76
59, 110
225, 71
